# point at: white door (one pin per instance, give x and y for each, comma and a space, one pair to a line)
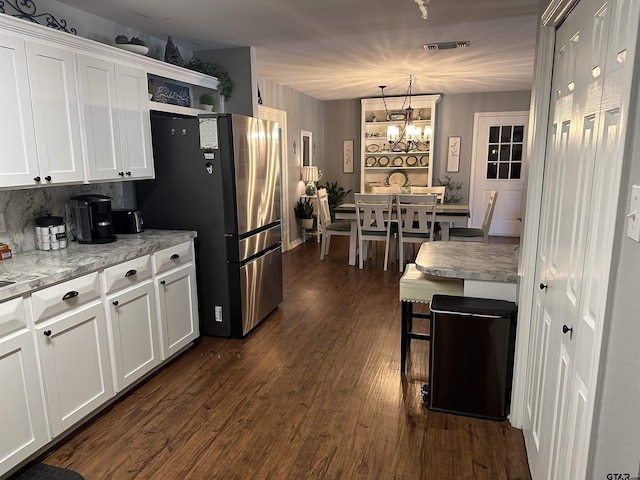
595, 46
499, 163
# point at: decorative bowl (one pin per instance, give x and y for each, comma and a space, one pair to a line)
131, 47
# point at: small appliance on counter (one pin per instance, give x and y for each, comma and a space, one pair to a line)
51, 233
127, 221
92, 219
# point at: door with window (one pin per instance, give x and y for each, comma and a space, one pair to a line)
499, 164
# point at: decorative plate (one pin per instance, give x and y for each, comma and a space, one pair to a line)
398, 178
397, 116
398, 162
423, 147
374, 147
383, 161
412, 161
399, 147
370, 161
424, 160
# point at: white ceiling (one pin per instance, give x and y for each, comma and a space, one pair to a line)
344, 49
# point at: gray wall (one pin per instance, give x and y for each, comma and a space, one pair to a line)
454, 117
615, 440
303, 113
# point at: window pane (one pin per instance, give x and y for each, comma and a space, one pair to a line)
494, 134
506, 134
492, 156
503, 170
517, 152
515, 170
505, 153
518, 133
492, 170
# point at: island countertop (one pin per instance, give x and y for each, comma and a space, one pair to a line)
469, 260
36, 269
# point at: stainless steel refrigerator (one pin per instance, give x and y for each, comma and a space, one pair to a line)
220, 175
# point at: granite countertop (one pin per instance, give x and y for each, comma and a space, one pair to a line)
469, 260
37, 269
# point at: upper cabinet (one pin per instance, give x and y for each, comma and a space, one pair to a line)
116, 120
75, 110
40, 130
391, 156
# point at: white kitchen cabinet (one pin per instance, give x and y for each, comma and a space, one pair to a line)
116, 120
54, 99
74, 355
381, 164
19, 157
22, 413
177, 298
133, 321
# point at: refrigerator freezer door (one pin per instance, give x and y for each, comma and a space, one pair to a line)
256, 154
254, 244
261, 286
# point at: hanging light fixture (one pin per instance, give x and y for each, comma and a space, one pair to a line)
405, 137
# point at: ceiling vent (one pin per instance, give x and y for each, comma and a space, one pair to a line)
446, 45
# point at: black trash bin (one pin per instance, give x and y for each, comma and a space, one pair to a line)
471, 359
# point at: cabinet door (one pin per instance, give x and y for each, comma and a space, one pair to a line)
134, 326
134, 121
178, 309
19, 157
100, 118
55, 111
22, 414
74, 352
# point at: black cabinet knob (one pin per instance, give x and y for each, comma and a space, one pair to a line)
47, 333
128, 174
175, 256
48, 178
566, 329
121, 174
115, 302
36, 179
69, 295
162, 282
543, 286
130, 273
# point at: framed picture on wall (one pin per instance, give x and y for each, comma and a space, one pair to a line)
347, 156
453, 154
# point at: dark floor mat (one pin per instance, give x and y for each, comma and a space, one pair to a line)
40, 471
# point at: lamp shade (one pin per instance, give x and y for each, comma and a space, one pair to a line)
310, 174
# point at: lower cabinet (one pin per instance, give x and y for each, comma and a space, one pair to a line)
74, 354
22, 414
178, 308
134, 328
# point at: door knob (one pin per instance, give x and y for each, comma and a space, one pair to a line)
566, 329
543, 286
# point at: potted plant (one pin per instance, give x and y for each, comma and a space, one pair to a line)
335, 195
206, 101
304, 211
451, 189
225, 85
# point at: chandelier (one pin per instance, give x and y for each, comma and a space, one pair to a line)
407, 136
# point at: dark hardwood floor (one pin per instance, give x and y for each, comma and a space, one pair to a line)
313, 392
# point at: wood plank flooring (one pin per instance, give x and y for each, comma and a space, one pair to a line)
314, 392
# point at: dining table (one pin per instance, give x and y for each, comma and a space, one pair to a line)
446, 213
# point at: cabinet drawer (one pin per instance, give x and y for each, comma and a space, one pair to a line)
12, 316
63, 297
127, 274
172, 257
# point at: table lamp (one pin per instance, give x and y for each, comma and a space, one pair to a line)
310, 176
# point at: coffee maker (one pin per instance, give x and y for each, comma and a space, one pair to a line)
92, 218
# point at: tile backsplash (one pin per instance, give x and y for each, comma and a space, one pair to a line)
21, 207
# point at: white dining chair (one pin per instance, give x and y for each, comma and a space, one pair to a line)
373, 215
438, 191
461, 234
327, 227
416, 216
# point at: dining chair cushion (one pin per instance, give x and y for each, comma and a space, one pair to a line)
339, 227
419, 287
465, 232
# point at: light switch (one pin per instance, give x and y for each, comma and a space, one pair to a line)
633, 228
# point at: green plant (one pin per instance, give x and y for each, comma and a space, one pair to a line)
225, 85
206, 99
451, 189
122, 39
335, 194
303, 208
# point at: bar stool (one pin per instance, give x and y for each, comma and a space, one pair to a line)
418, 287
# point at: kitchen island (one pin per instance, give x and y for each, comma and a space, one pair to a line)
488, 270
